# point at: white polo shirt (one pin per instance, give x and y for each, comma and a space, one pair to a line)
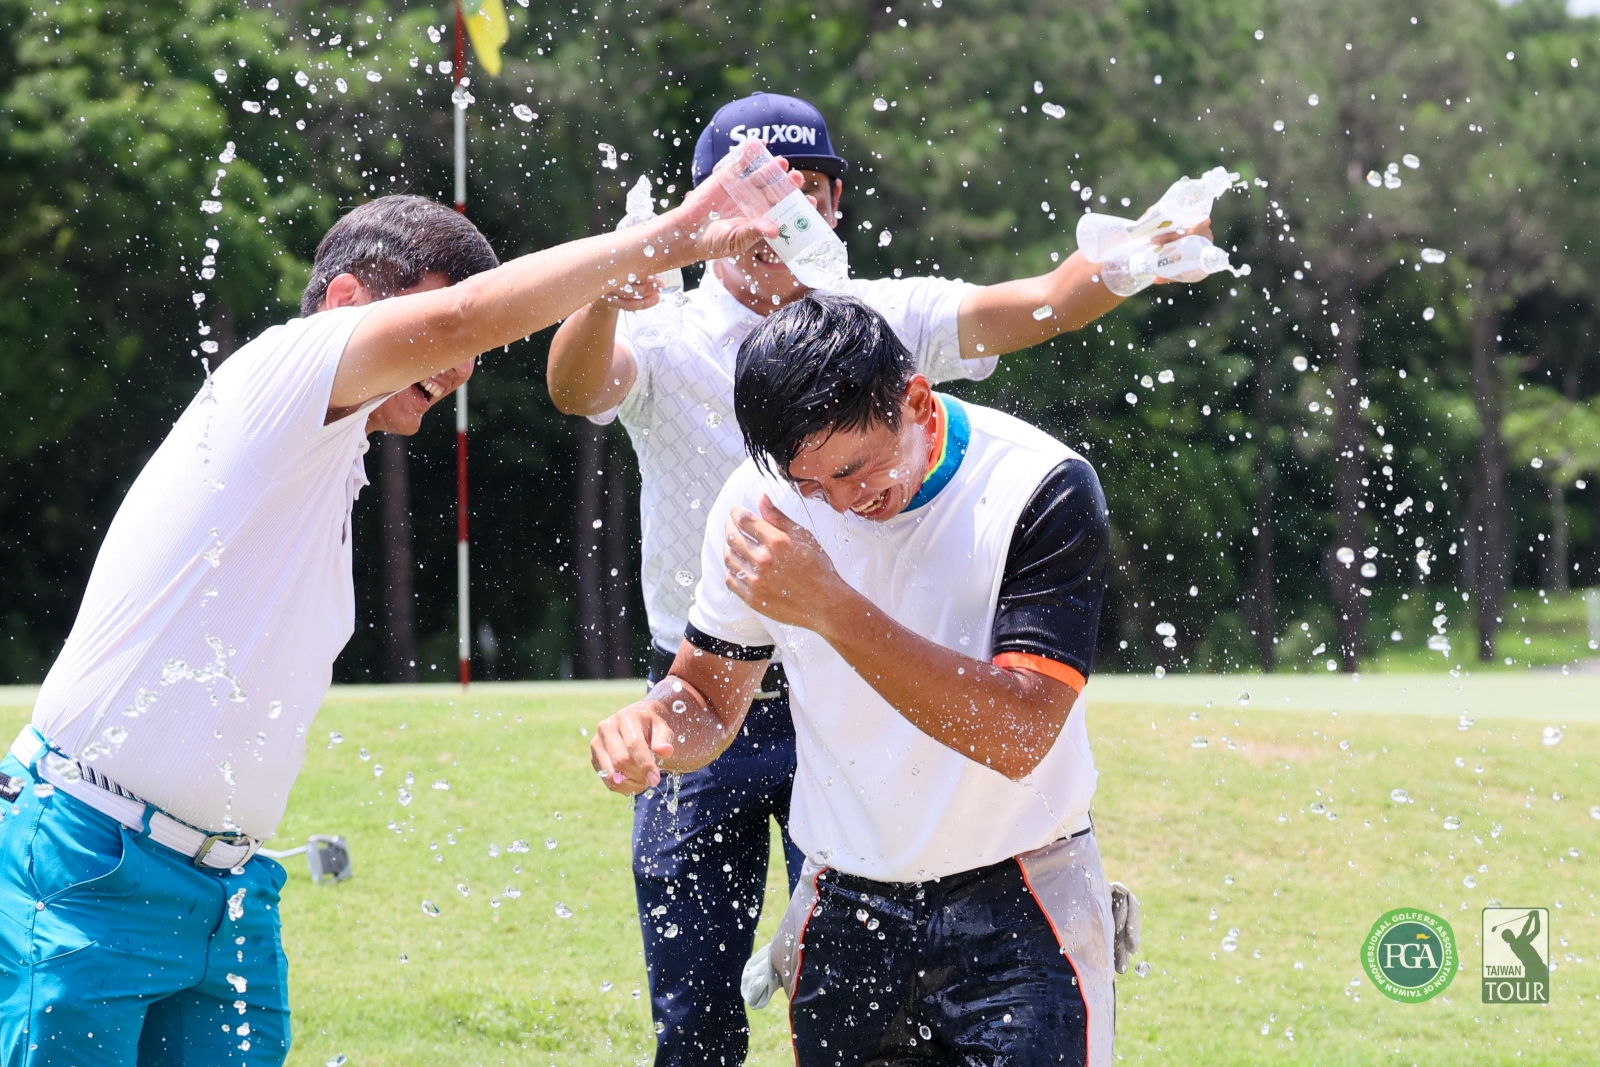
679, 416
222, 592
873, 795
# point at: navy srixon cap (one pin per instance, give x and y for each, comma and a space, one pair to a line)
791, 127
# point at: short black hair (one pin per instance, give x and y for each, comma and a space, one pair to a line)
391, 242
823, 363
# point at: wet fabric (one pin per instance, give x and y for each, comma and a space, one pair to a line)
223, 591
1008, 964
118, 952
700, 875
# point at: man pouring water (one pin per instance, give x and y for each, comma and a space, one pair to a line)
138, 924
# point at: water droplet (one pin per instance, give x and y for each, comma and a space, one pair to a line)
1552, 735
1038, 87
927, 1034
1147, 381
403, 795
562, 911
1261, 35
1143, 969
670, 931
1432, 255
880, 104
884, 237
1452, 823
1165, 377
1131, 398
338, 1059
1244, 698
523, 112
1277, 125
1199, 742
1345, 555
1230, 943
1399, 796
1055, 111
1044, 311
550, 844
441, 784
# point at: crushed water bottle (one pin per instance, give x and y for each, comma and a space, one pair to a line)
805, 242
657, 326
1123, 247
1188, 259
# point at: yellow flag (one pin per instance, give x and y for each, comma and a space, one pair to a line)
488, 29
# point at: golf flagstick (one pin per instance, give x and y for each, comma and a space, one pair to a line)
463, 608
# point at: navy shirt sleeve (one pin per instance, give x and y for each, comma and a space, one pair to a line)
1055, 577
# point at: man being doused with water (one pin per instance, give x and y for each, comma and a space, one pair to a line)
932, 574
138, 925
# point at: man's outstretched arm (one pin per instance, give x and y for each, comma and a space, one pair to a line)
686, 721
1000, 318
408, 338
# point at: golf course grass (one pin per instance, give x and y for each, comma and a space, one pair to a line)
1280, 827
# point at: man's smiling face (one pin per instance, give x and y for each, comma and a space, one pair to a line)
872, 472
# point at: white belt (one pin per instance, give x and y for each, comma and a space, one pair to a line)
216, 851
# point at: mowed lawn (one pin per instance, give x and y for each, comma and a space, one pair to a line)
1281, 827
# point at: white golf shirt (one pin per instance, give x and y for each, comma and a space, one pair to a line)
873, 795
679, 416
222, 592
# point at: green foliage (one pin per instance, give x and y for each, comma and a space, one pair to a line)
112, 124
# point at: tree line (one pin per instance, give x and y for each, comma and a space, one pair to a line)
1389, 421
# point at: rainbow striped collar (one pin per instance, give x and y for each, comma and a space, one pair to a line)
954, 433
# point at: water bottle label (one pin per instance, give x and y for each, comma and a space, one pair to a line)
799, 226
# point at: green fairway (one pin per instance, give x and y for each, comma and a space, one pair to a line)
1281, 826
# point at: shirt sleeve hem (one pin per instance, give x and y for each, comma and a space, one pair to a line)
1050, 668
726, 649
628, 406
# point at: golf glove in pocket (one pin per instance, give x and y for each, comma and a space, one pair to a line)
1125, 917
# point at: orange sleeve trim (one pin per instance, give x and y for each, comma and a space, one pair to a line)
1039, 665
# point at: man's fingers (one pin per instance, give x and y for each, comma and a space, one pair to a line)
770, 512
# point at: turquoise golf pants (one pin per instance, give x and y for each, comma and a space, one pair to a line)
118, 952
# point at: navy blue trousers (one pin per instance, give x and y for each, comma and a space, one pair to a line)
700, 853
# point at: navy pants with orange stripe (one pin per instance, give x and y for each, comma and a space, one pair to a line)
1008, 964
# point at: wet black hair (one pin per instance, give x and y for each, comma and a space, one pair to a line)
391, 242
821, 364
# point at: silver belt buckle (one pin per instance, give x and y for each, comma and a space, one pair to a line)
226, 839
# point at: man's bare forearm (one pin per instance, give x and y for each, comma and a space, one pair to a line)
582, 373
997, 319
1004, 719
701, 730
405, 339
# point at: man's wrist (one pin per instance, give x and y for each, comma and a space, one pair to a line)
845, 613
671, 235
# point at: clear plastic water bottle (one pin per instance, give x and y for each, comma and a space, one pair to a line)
805, 242
660, 325
1183, 206
1134, 268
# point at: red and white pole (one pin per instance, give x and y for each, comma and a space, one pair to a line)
463, 596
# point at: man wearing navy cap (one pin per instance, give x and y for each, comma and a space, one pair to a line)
701, 841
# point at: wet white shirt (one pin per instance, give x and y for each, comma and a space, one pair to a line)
679, 415
873, 795
222, 592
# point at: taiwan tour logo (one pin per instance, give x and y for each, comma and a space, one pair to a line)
1410, 955
1516, 955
